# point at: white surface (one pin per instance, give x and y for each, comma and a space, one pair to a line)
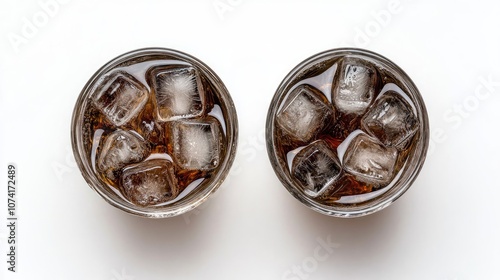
445, 227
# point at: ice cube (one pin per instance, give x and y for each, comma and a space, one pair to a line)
369, 160
196, 143
391, 120
121, 148
305, 113
150, 182
316, 168
178, 93
356, 86
121, 98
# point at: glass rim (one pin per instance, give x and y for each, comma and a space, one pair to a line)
231, 135
342, 211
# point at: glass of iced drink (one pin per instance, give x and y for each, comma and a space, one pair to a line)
347, 132
154, 132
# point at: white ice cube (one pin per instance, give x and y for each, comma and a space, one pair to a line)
316, 168
305, 113
121, 98
178, 93
121, 148
356, 86
391, 119
196, 143
369, 160
150, 182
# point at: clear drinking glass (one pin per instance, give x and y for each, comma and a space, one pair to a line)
347, 132
154, 132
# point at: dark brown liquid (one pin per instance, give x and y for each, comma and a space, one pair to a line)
334, 132
154, 132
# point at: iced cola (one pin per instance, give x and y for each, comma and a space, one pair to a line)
156, 127
343, 127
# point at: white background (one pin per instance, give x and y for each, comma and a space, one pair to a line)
446, 226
